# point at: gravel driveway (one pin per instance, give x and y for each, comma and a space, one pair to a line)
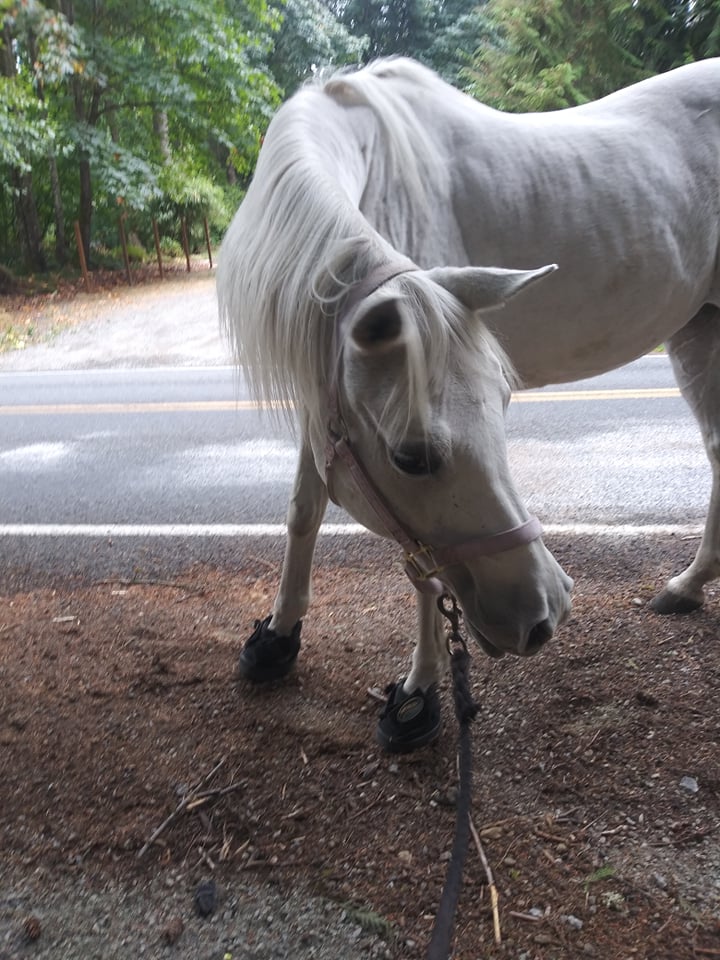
174, 323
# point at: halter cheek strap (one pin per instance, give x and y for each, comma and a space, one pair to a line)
424, 564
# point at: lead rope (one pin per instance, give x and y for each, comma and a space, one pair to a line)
465, 711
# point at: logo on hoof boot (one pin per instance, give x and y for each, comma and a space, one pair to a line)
410, 709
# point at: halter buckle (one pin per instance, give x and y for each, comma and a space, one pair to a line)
424, 577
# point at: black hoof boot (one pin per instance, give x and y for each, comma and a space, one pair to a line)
267, 656
409, 720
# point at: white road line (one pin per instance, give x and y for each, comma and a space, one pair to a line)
252, 530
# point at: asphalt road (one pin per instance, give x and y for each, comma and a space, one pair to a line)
90, 456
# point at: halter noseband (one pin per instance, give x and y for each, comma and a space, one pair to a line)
424, 564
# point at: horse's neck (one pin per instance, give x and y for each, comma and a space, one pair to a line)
397, 198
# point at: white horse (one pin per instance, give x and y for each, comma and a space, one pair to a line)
389, 218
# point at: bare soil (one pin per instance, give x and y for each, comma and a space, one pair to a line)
597, 769
136, 766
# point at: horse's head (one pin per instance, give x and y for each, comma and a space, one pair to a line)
420, 400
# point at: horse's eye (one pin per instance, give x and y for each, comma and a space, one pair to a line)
417, 459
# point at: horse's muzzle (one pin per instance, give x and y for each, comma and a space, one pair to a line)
536, 640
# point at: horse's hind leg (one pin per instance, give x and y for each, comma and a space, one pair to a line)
695, 355
271, 651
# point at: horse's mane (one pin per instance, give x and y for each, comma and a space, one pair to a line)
298, 244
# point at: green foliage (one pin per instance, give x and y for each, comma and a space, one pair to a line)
549, 54
309, 39
158, 107
169, 247
606, 872
458, 29
136, 105
370, 922
24, 131
189, 193
556, 53
400, 27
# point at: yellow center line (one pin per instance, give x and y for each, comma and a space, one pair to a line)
171, 406
220, 406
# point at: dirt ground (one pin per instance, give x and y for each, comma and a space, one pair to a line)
597, 771
136, 766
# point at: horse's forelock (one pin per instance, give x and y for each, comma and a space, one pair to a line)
438, 335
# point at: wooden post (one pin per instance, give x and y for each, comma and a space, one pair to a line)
207, 240
186, 246
156, 234
123, 244
81, 256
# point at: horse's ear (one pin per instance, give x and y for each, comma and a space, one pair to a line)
378, 328
482, 288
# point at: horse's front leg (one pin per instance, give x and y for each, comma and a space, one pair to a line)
271, 651
411, 717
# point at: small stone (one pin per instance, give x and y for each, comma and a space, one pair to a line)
405, 857
690, 784
660, 881
491, 833
206, 898
172, 931
574, 922
544, 939
32, 928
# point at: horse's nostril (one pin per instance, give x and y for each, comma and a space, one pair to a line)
539, 634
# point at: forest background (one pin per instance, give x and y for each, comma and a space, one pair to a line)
147, 111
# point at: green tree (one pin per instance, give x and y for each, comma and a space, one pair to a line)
27, 133
391, 26
311, 37
127, 86
554, 53
455, 30
549, 54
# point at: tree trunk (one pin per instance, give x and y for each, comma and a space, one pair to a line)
60, 242
85, 205
27, 221
160, 126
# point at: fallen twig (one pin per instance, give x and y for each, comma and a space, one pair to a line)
206, 795
491, 882
190, 797
375, 694
366, 808
149, 582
